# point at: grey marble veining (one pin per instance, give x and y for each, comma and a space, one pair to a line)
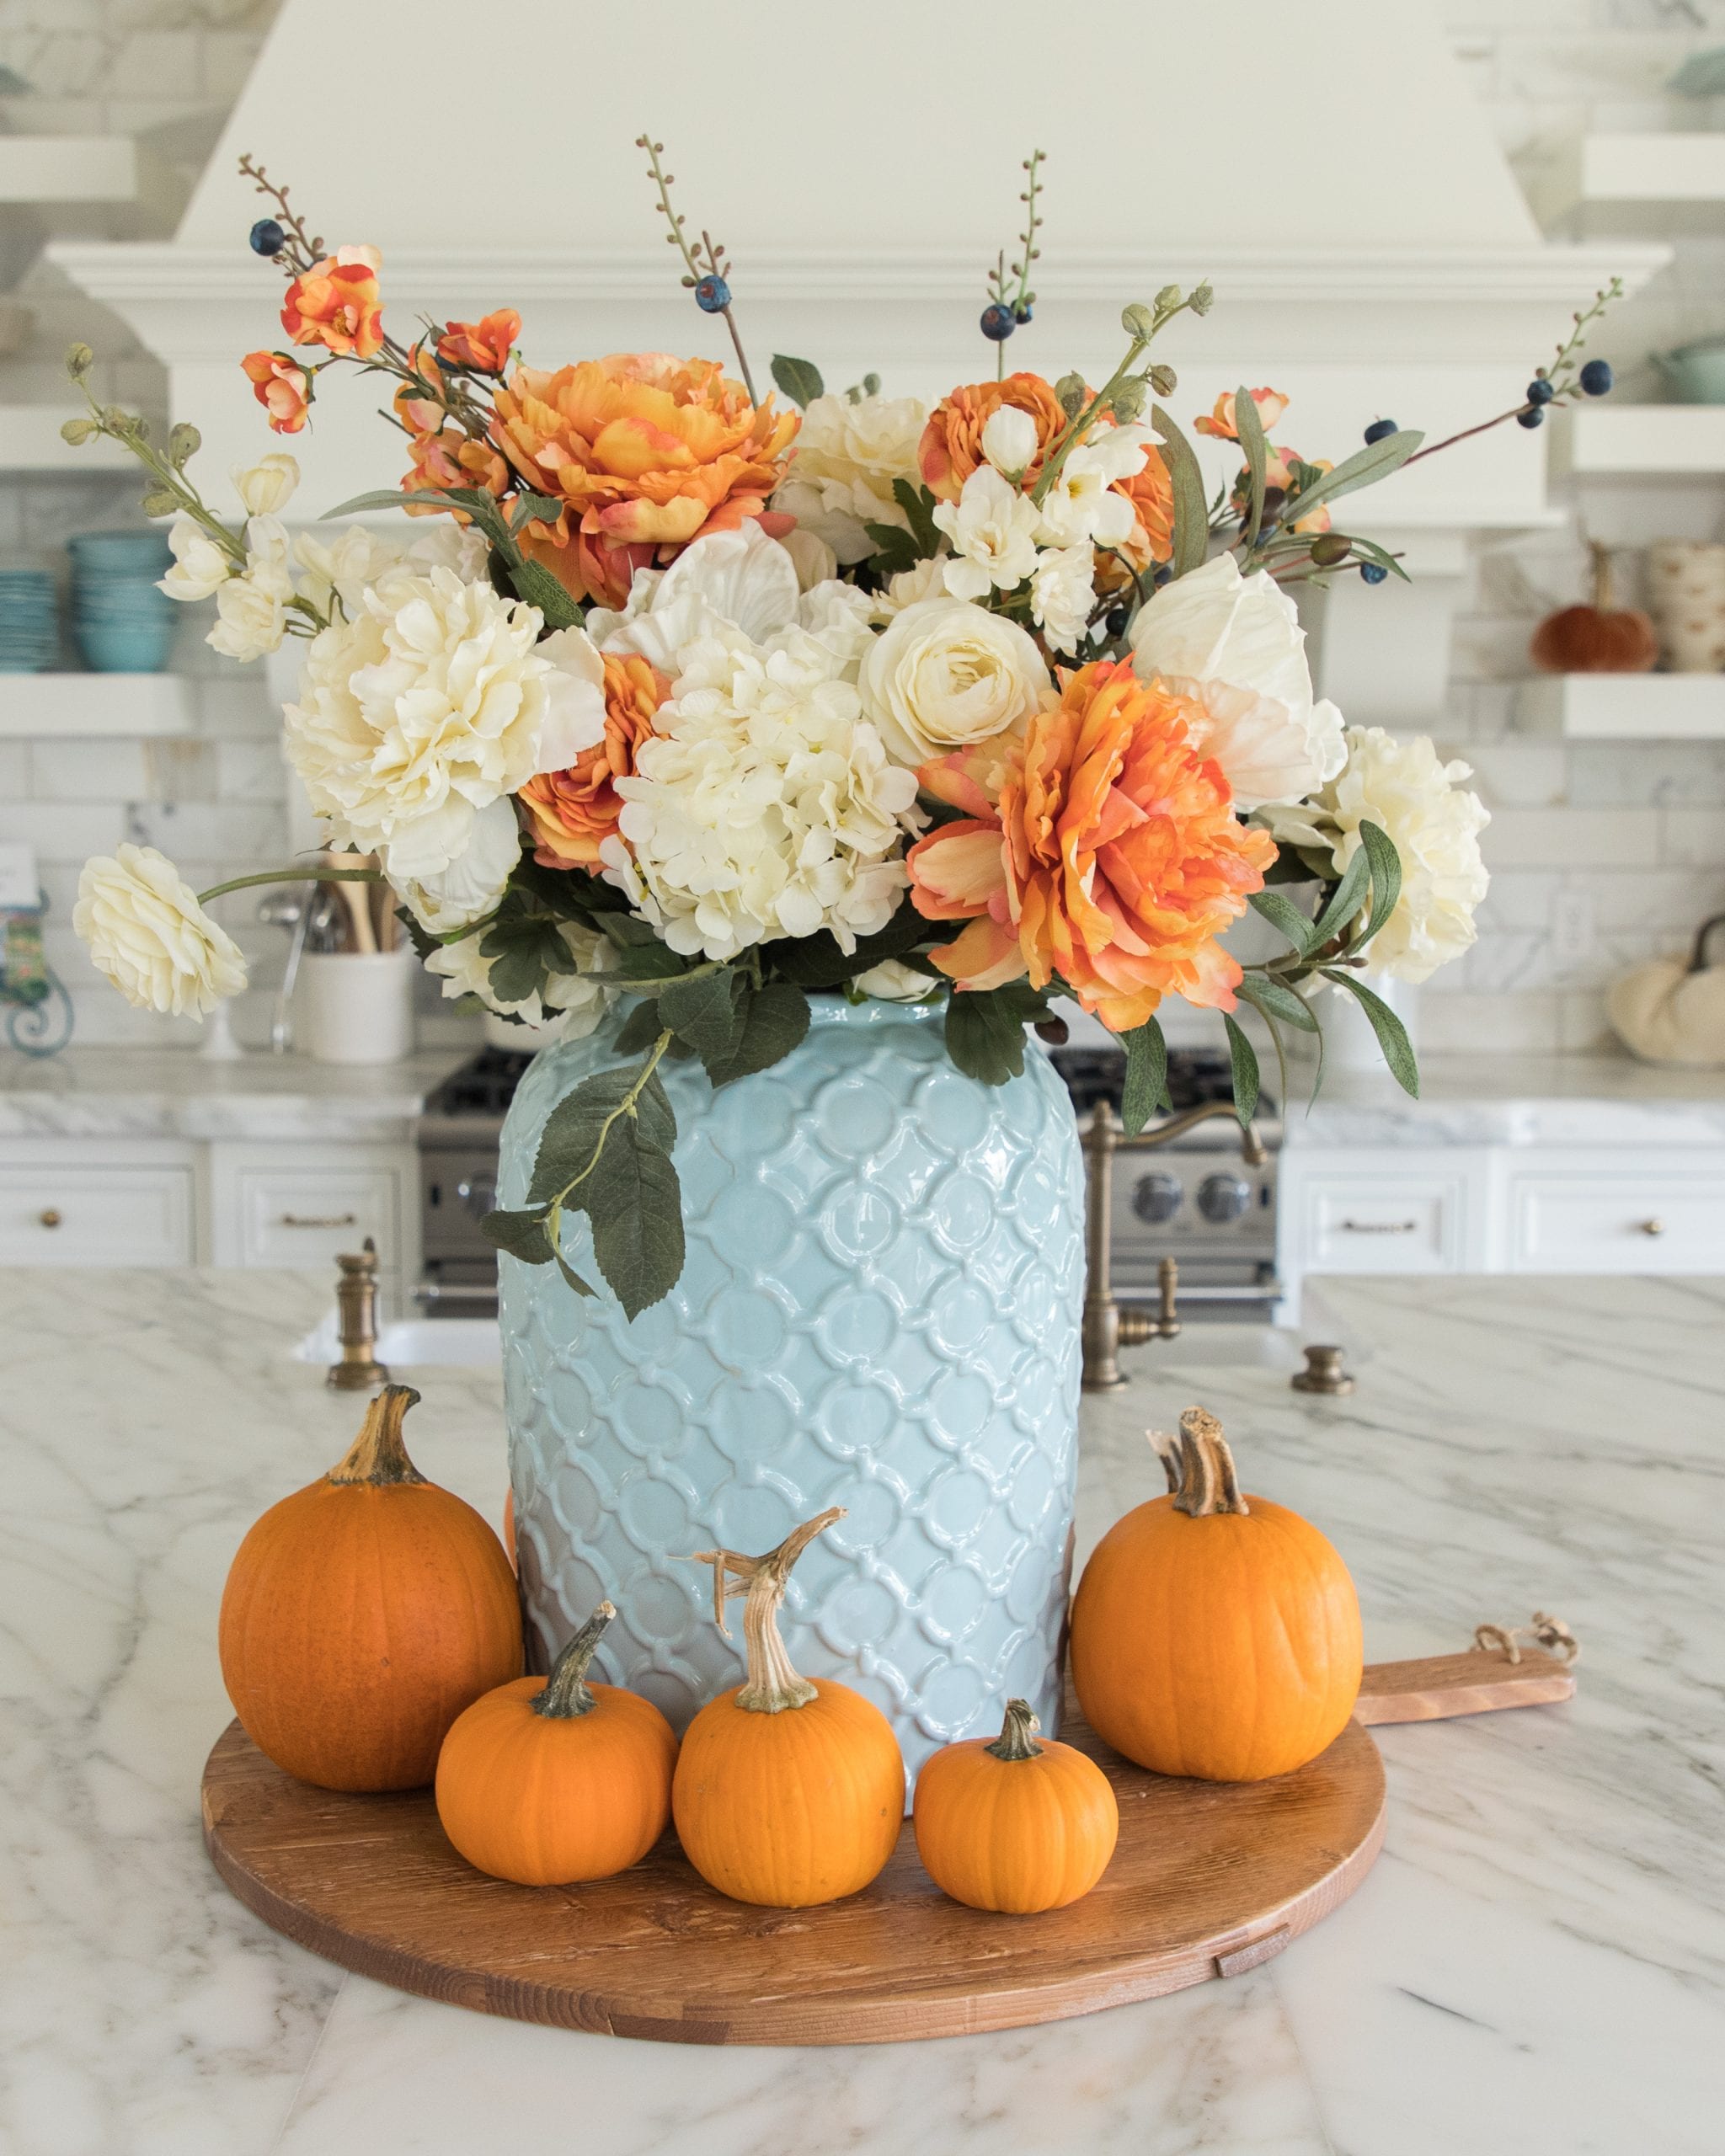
1536, 1965
1495, 1100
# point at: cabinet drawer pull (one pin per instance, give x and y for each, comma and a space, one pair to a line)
50, 1216
1380, 1227
320, 1219
1653, 1227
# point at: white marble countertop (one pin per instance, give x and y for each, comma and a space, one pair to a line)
1536, 1965
108, 1092
1512, 1100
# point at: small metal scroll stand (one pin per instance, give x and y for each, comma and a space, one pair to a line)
1109, 1326
359, 1370
39, 1011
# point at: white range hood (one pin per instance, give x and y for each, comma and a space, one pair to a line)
1324, 167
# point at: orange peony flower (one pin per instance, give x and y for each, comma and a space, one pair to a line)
568, 813
646, 452
281, 387
484, 345
1103, 849
1270, 402
335, 304
951, 447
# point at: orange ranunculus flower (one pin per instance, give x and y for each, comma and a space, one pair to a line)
484, 345
451, 458
951, 447
1279, 472
1270, 402
645, 451
568, 813
1103, 849
336, 304
283, 388
421, 415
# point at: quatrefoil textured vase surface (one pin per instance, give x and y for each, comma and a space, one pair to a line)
879, 1309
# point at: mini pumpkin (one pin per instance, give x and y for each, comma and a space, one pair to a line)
1600, 638
1214, 1635
363, 1614
789, 1791
549, 1780
1015, 1825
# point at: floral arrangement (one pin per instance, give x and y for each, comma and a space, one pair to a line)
706, 702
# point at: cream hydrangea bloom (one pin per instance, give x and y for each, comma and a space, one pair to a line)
148, 932
573, 1002
766, 805
841, 471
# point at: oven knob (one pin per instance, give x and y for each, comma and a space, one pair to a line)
1158, 1197
478, 1193
1223, 1197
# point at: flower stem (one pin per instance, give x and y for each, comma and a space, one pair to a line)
292, 876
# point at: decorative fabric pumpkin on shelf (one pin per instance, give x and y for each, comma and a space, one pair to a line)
363, 1614
1212, 1635
547, 1781
1672, 1009
1015, 1825
1600, 638
789, 1791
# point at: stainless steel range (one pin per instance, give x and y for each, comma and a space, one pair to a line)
1195, 1199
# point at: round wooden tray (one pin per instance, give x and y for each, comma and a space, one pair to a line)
1209, 1879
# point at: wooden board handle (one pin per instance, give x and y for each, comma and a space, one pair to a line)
1437, 1686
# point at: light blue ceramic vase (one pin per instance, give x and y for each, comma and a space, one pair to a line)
879, 1309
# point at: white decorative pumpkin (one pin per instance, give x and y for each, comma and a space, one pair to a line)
1672, 1009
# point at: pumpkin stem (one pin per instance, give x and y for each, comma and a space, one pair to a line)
1016, 1739
566, 1694
1604, 584
1200, 1467
773, 1685
377, 1454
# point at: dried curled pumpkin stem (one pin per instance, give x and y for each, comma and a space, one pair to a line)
1017, 1736
1199, 1466
773, 1685
566, 1692
377, 1454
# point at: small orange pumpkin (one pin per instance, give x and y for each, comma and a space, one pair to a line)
1213, 1635
1015, 1825
549, 1780
1602, 638
362, 1613
789, 1792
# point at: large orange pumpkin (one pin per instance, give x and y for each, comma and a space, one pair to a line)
1015, 1824
362, 1613
789, 1791
1214, 1635
549, 1780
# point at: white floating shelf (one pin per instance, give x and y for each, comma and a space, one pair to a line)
1679, 439
1589, 169
31, 441
67, 168
1624, 707
80, 706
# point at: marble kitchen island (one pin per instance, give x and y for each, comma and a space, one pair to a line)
1537, 1963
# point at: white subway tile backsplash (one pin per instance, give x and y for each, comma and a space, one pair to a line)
251, 770
62, 831
1570, 838
1693, 837
1463, 1023
88, 770
195, 830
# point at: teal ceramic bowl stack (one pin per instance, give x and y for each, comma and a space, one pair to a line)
123, 624
30, 629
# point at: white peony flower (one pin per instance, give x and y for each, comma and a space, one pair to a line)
993, 529
1080, 509
841, 475
742, 579
1062, 594
1403, 787
251, 609
200, 566
266, 488
472, 885
573, 1002
425, 708
148, 932
1010, 441
1235, 645
947, 673
813, 560
764, 806
892, 981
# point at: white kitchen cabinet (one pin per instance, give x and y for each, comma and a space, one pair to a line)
300, 1206
1402, 1210
1650, 1213
98, 1201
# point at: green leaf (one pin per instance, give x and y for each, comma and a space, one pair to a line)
1250, 429
1243, 1057
918, 505
1191, 510
384, 498
523, 952
541, 589
894, 550
1274, 998
569, 1143
775, 1020
534, 508
571, 1277
1393, 1034
635, 1207
523, 1235
799, 379
1369, 550
639, 1030
703, 1010
1345, 900
1386, 867
1147, 1087
984, 1029
423, 941
1364, 469
817, 962
1282, 914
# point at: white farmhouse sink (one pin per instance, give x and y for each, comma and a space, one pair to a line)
414, 1343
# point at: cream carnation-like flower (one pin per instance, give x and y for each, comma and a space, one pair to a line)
251, 609
764, 806
841, 471
337, 571
148, 932
1434, 823
947, 673
573, 1002
993, 529
265, 487
926, 580
1062, 594
200, 566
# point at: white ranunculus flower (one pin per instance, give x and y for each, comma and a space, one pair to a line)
1063, 595
266, 488
892, 981
200, 566
765, 805
425, 708
947, 673
148, 932
743, 579
1235, 645
993, 529
251, 609
841, 475
573, 1003
1010, 441
472, 885
1434, 823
